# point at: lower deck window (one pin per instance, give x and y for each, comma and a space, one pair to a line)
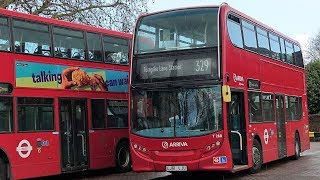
35, 114
6, 114
117, 111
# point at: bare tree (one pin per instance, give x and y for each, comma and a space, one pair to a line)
113, 14
313, 49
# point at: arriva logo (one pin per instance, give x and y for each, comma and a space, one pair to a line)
166, 145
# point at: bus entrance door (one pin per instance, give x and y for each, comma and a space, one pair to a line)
281, 126
237, 129
73, 130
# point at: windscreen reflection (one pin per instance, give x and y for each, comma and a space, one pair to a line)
177, 112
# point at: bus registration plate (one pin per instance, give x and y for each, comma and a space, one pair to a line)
176, 168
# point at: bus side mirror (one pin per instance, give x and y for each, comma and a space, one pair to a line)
226, 93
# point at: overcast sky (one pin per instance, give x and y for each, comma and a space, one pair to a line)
295, 18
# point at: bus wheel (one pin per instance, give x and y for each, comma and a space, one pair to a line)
297, 148
3, 170
123, 159
256, 157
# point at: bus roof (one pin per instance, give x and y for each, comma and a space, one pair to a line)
227, 9
45, 20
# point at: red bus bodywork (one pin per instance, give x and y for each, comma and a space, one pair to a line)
36, 154
237, 66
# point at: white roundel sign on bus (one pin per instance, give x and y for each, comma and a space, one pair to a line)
24, 148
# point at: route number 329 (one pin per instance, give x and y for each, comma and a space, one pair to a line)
202, 65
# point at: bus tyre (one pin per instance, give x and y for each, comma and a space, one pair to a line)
297, 148
3, 170
256, 157
123, 159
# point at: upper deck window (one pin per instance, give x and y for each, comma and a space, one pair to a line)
4, 35
249, 36
116, 50
177, 30
283, 50
289, 52
68, 43
263, 42
234, 30
298, 56
275, 46
94, 47
31, 38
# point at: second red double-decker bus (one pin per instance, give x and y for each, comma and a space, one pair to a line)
213, 89
63, 97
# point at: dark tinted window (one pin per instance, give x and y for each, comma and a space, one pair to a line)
293, 108
6, 114
289, 52
117, 111
254, 102
268, 107
116, 50
35, 114
68, 43
263, 42
275, 46
4, 35
249, 36
234, 30
283, 50
31, 38
98, 113
94, 46
298, 56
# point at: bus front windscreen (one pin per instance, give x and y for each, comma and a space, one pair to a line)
177, 112
177, 30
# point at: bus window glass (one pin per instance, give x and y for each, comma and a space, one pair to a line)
268, 107
234, 30
68, 43
4, 35
180, 112
35, 114
117, 111
289, 52
249, 36
263, 42
274, 46
116, 50
293, 108
254, 102
94, 47
98, 115
6, 114
177, 30
298, 56
283, 50
31, 38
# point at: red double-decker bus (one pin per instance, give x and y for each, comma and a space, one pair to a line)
63, 97
214, 89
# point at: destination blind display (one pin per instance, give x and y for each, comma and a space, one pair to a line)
175, 68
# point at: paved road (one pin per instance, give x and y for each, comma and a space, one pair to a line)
306, 168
